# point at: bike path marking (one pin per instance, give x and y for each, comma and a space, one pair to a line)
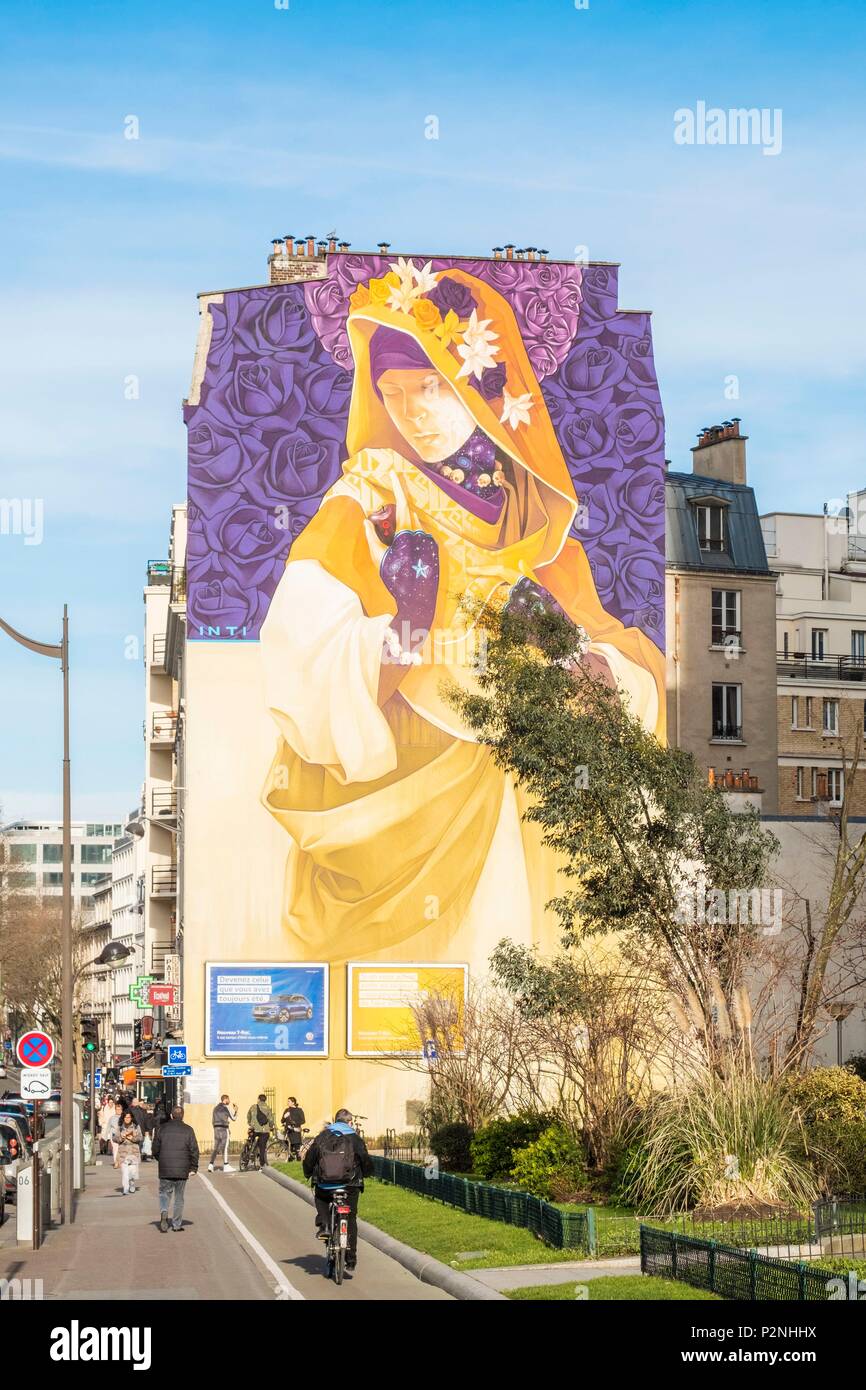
285, 1290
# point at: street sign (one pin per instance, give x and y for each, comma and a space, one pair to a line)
177, 1054
430, 1051
177, 1071
35, 1049
35, 1083
7, 1044
161, 994
130, 1076
97, 1080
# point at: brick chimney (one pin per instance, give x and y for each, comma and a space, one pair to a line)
721, 452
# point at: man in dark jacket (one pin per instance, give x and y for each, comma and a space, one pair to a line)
338, 1144
224, 1114
176, 1149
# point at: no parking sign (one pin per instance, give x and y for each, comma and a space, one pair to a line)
35, 1049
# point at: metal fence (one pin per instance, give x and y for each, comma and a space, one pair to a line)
733, 1273
561, 1229
791, 1236
840, 1226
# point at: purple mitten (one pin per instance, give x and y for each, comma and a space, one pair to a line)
529, 599
410, 571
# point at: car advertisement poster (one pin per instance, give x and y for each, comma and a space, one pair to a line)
387, 1002
266, 1009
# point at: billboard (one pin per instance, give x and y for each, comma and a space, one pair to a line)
382, 998
266, 1009
366, 450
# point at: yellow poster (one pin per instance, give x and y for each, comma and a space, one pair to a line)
384, 1000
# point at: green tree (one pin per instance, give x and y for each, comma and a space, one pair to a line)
647, 848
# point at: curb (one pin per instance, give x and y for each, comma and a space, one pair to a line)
424, 1267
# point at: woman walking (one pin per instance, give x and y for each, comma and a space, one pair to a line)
128, 1154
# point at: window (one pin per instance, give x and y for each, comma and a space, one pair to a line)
819, 643
801, 705
96, 854
831, 717
727, 711
835, 785
52, 880
52, 854
90, 879
858, 645
725, 615
711, 526
24, 880
801, 784
22, 854
785, 645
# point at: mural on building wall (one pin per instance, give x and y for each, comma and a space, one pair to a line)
367, 449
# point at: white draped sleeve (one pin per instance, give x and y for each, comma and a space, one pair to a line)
635, 681
321, 658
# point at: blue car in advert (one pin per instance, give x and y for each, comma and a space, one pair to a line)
283, 1008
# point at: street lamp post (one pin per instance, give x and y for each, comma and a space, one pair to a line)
60, 652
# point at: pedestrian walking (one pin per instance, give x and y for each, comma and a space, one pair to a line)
129, 1138
114, 1128
223, 1115
106, 1115
260, 1118
175, 1148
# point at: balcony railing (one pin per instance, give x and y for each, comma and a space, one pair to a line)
820, 668
163, 729
178, 584
163, 881
163, 803
732, 731
158, 650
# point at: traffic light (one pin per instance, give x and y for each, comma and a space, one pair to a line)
90, 1034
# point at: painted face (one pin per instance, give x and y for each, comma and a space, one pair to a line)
430, 417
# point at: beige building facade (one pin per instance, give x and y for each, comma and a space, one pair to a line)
720, 623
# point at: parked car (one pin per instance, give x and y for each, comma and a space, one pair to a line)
15, 1150
21, 1125
51, 1104
14, 1100
283, 1008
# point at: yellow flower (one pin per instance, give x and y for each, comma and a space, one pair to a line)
380, 289
360, 298
426, 313
449, 330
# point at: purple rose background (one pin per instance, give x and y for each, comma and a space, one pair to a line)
267, 438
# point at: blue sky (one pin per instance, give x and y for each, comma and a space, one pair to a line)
555, 128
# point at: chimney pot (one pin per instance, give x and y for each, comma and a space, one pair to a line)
311, 246
344, 245
332, 243
384, 247
509, 251
497, 253
290, 245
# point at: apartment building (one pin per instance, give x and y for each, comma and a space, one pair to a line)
820, 560
721, 616
128, 882
93, 992
34, 856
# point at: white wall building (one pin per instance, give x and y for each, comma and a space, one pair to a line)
34, 856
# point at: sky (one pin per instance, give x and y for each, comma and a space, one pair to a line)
556, 128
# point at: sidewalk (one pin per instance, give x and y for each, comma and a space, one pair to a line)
115, 1250
509, 1277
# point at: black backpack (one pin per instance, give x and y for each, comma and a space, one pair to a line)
337, 1158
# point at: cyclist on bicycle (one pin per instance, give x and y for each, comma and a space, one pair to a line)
338, 1157
293, 1118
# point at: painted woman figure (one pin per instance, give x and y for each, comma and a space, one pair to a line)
404, 831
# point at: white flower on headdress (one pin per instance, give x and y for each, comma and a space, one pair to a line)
403, 296
425, 279
476, 349
515, 409
405, 270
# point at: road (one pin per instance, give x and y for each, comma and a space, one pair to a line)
244, 1238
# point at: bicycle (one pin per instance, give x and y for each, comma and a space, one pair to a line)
250, 1152
338, 1234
